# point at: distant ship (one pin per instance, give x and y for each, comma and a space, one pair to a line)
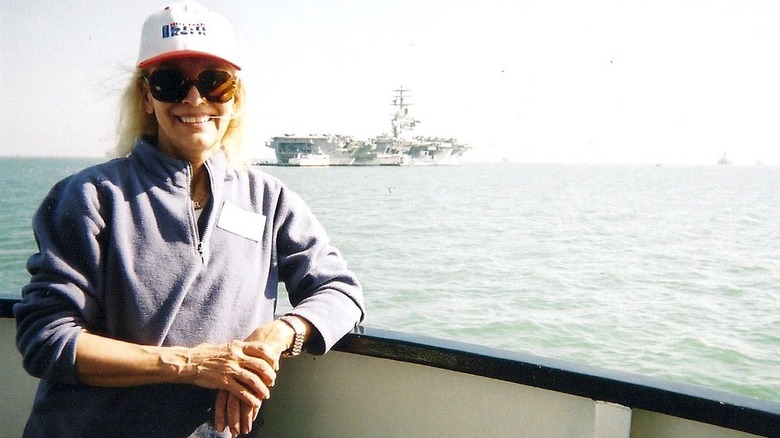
399, 148
724, 160
317, 159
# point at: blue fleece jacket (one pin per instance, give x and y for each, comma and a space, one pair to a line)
121, 255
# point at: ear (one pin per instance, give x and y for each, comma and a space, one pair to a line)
237, 104
148, 104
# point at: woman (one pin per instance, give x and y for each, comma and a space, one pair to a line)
150, 311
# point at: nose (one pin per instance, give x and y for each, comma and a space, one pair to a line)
193, 97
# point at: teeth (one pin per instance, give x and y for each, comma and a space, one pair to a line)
194, 119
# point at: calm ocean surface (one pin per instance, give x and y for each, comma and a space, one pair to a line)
672, 272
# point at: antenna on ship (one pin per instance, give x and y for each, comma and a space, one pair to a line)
401, 120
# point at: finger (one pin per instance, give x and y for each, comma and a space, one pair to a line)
220, 409
255, 413
262, 351
246, 377
234, 415
252, 396
239, 379
261, 368
257, 358
248, 415
254, 375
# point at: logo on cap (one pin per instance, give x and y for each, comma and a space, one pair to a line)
175, 29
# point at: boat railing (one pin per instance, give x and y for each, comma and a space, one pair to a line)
700, 404
439, 387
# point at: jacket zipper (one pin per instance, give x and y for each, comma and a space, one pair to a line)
199, 245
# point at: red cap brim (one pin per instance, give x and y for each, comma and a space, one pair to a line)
182, 54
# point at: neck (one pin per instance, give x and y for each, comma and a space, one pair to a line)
200, 191
198, 170
195, 155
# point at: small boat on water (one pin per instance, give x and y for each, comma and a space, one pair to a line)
378, 383
317, 159
392, 160
724, 160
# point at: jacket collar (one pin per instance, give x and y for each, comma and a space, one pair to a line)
174, 171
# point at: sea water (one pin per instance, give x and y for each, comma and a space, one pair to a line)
666, 271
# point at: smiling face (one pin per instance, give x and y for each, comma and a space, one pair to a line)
190, 129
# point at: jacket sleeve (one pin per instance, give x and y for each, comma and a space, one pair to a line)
320, 286
61, 299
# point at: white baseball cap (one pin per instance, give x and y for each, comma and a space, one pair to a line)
187, 29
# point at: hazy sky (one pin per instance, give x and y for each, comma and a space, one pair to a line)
661, 81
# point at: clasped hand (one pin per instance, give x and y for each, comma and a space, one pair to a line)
245, 377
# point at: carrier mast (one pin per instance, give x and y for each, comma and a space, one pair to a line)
401, 121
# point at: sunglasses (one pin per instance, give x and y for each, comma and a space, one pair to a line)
172, 86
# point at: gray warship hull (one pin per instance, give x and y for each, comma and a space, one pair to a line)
400, 148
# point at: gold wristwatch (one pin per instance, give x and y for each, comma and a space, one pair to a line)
299, 329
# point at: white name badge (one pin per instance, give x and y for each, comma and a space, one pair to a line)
242, 222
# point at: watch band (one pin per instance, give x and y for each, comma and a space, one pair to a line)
297, 344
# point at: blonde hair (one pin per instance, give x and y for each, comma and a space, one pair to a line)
135, 122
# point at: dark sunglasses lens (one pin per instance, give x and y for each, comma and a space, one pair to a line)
216, 86
168, 85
